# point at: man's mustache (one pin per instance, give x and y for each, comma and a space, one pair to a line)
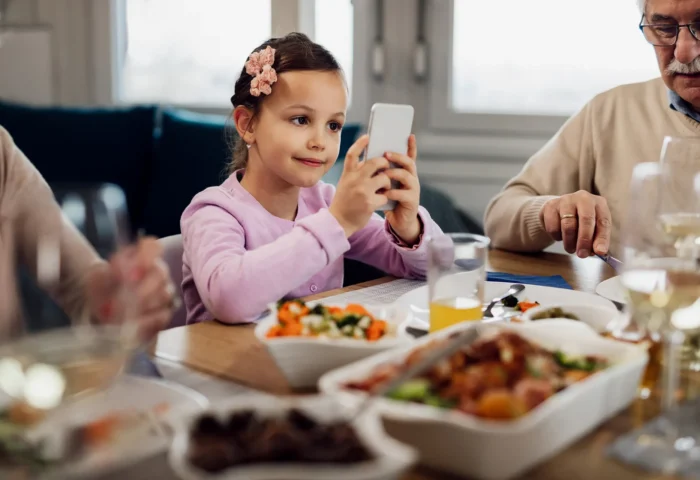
676, 67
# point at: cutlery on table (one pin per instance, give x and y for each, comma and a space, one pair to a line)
612, 261
514, 289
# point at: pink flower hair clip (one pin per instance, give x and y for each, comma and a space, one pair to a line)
259, 66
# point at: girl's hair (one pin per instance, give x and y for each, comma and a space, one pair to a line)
294, 52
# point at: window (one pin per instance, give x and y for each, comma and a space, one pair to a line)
545, 58
190, 52
333, 25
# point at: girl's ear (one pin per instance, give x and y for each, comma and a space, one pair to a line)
243, 118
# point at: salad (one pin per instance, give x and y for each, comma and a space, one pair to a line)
498, 378
295, 319
23, 451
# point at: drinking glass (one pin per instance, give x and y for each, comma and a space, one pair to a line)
456, 276
662, 278
43, 368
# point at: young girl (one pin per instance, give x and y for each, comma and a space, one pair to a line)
273, 229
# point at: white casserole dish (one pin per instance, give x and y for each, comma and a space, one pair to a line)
478, 448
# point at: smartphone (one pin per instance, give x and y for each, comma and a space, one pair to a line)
389, 128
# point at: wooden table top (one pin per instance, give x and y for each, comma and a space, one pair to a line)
233, 353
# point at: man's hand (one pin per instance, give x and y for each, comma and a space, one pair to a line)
581, 220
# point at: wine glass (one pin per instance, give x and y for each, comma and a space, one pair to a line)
662, 278
43, 370
683, 153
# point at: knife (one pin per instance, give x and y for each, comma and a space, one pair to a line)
612, 261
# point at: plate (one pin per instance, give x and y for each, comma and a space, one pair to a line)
612, 290
128, 393
391, 458
417, 300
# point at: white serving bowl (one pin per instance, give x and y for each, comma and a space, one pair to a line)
391, 458
303, 360
595, 316
485, 449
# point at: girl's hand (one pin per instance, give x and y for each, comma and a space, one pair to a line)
134, 286
404, 217
356, 197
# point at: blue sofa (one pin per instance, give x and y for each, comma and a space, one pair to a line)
160, 157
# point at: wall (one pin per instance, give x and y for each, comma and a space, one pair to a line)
76, 65
471, 168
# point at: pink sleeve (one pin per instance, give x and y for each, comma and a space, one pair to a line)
376, 245
236, 285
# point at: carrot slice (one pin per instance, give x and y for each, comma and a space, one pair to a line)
275, 331
525, 306
355, 308
292, 330
100, 431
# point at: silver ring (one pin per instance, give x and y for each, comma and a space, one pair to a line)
568, 215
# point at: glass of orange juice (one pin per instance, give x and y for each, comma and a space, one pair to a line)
456, 276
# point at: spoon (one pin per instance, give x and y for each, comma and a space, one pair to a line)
452, 344
513, 290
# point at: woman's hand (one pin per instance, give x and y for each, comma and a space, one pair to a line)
134, 286
404, 217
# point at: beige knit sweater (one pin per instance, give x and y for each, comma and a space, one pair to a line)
29, 213
596, 151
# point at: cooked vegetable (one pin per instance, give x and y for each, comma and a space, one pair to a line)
511, 301
354, 321
525, 306
501, 377
587, 364
417, 389
555, 312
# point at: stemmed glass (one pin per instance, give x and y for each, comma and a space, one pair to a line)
662, 278
43, 371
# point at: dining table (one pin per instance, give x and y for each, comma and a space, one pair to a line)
232, 353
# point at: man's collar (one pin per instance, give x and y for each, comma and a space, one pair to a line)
678, 104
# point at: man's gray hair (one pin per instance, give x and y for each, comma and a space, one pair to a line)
642, 4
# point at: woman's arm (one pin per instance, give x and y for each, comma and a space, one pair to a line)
236, 284
376, 245
28, 208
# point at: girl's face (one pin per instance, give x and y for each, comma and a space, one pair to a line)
297, 131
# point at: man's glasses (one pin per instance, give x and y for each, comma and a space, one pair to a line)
666, 35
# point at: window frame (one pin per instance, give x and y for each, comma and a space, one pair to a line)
441, 115
287, 15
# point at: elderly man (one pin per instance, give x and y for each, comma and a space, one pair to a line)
575, 188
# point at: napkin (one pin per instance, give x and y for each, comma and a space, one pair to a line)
556, 281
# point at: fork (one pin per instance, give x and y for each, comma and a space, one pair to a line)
513, 290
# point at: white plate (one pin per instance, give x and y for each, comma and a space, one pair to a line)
417, 300
391, 457
303, 360
128, 393
612, 289
474, 447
